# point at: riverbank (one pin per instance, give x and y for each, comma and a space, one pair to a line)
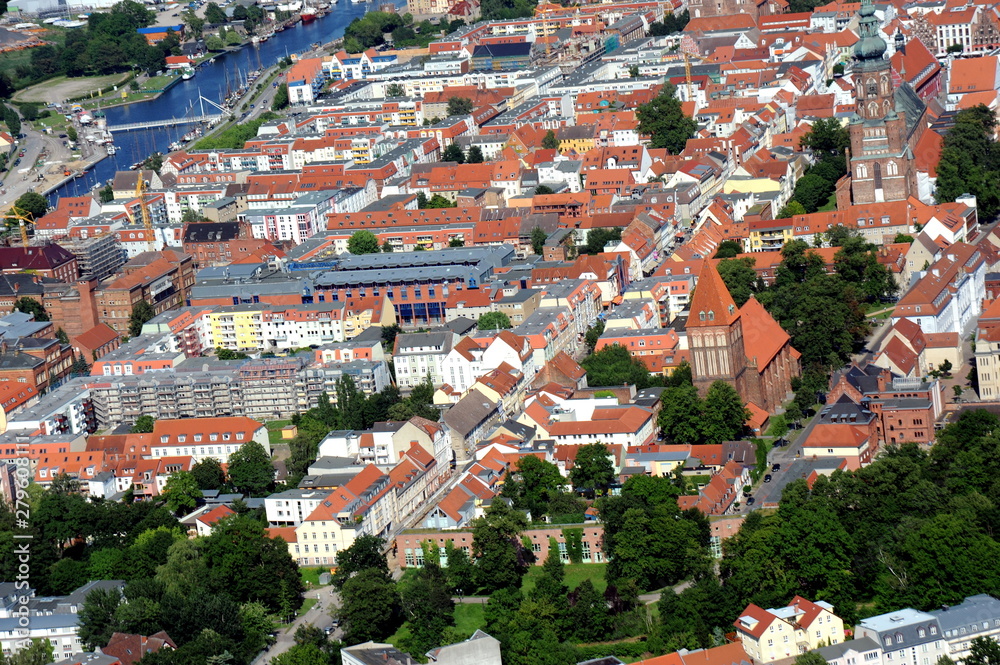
53, 181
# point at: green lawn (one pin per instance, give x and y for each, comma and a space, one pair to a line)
468, 618
274, 430
310, 576
831, 203
307, 605
575, 574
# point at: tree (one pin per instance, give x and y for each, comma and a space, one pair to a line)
680, 414
613, 365
598, 238
280, 100
970, 161
903, 238
181, 492
233, 38
542, 190
229, 354
142, 312
427, 605
71, 134
500, 558
362, 242
593, 335
456, 242
538, 238
533, 485
97, 617
31, 306
387, 247
723, 415
633, 72
459, 106
214, 14
143, 425
250, 469
791, 209
395, 90
593, 471
740, 278
32, 204
461, 572
453, 153
810, 658
438, 201
365, 553
665, 122
983, 651
475, 155
727, 249
494, 321
369, 607
827, 136
549, 141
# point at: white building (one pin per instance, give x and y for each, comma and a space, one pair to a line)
291, 507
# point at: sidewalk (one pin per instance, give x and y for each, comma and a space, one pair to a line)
318, 615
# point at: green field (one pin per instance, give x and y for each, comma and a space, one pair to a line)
831, 204
310, 576
307, 605
575, 574
468, 618
274, 430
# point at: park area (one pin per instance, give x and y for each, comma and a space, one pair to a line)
63, 88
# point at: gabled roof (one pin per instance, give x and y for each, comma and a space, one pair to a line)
711, 304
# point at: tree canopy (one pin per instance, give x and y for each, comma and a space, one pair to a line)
665, 122
494, 321
363, 242
970, 161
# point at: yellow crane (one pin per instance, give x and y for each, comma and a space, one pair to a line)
147, 220
23, 219
687, 71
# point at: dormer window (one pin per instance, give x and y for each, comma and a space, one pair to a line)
164, 438
711, 315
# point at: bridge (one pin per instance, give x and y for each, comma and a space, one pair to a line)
168, 122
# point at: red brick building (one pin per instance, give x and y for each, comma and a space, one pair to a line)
38, 363
744, 347
409, 552
45, 261
905, 409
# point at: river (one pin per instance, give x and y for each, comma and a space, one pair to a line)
210, 82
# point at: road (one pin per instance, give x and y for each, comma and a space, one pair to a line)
35, 144
318, 615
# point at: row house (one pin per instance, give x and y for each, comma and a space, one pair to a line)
550, 330
948, 295
723, 492
661, 350
909, 352
387, 443
369, 377
470, 358
409, 544
295, 223
202, 438
67, 409
357, 66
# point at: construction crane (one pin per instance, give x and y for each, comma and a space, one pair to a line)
687, 71
147, 220
23, 219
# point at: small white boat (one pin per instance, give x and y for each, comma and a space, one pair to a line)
188, 74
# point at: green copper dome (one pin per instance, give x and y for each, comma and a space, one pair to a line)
870, 46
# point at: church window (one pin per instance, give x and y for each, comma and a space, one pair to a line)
873, 109
862, 171
891, 168
872, 87
885, 85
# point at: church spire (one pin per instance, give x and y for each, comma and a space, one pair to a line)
711, 304
870, 48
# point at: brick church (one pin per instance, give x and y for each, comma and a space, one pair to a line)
743, 346
884, 129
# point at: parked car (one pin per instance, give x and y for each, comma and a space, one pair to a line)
751, 501
775, 467
767, 478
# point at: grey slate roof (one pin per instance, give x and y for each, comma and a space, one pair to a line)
859, 645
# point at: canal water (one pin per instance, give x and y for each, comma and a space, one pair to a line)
211, 83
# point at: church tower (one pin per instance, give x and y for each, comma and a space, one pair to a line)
881, 158
715, 334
